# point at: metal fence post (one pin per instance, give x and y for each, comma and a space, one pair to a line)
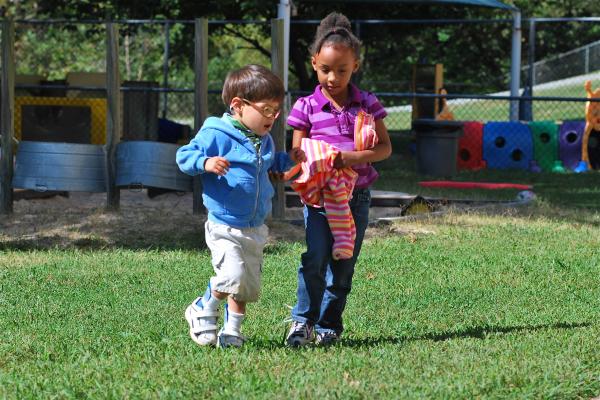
515, 66
278, 129
587, 59
167, 51
531, 55
200, 95
7, 116
113, 122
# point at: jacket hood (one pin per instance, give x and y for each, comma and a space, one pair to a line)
223, 125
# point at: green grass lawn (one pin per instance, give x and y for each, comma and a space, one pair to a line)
467, 305
462, 307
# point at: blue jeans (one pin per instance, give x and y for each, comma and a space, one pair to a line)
324, 283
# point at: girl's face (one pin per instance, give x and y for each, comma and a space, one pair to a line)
257, 116
335, 65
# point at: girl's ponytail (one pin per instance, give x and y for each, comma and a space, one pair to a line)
334, 29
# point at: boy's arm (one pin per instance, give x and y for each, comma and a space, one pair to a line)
287, 165
194, 158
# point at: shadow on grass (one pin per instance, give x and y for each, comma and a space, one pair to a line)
478, 332
481, 332
193, 240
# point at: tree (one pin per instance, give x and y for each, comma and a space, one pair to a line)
475, 56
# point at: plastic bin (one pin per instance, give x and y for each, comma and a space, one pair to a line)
48, 166
150, 164
437, 146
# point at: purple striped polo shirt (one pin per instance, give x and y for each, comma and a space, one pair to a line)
316, 115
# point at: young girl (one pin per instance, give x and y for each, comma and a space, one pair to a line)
329, 115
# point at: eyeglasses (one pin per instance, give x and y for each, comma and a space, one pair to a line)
266, 111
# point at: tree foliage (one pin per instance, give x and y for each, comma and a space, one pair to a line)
476, 57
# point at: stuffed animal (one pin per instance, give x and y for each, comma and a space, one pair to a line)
445, 114
592, 123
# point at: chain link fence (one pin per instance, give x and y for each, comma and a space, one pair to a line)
56, 89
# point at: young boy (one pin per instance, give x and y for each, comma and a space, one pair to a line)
233, 155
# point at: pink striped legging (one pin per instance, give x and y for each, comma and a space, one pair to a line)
322, 185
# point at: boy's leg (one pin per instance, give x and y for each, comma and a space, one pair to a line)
339, 273
238, 266
311, 276
201, 316
230, 335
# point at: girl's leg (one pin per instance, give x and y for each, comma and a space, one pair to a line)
339, 272
311, 272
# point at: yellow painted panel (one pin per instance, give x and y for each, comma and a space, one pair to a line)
97, 107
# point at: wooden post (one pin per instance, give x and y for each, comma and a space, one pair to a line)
7, 124
200, 95
278, 129
113, 122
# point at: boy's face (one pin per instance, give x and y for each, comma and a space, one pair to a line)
258, 116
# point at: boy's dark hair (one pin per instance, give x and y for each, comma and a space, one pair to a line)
252, 82
334, 29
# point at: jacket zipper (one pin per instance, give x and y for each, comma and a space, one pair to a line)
259, 153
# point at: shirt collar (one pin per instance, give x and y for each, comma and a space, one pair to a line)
238, 124
322, 101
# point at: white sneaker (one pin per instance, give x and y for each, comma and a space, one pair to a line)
327, 338
300, 334
203, 324
229, 339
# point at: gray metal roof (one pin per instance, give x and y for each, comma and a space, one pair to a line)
481, 3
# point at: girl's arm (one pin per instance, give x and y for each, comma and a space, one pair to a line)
297, 137
381, 151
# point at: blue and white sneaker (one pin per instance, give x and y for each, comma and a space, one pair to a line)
203, 323
229, 339
326, 338
300, 334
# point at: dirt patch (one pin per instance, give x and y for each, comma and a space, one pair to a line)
79, 220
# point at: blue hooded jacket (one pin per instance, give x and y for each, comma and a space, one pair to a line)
242, 197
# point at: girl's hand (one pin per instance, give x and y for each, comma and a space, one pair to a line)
216, 165
344, 159
297, 155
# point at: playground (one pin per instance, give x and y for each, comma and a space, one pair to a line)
478, 277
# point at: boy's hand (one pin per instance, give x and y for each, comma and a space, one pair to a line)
216, 165
297, 155
276, 176
292, 172
287, 175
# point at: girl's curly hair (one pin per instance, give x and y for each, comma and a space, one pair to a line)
334, 29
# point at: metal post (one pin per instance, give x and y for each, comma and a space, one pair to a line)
166, 67
7, 124
200, 94
278, 129
515, 67
113, 122
357, 77
531, 55
526, 106
587, 59
284, 12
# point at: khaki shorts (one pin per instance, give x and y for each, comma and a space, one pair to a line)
237, 258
